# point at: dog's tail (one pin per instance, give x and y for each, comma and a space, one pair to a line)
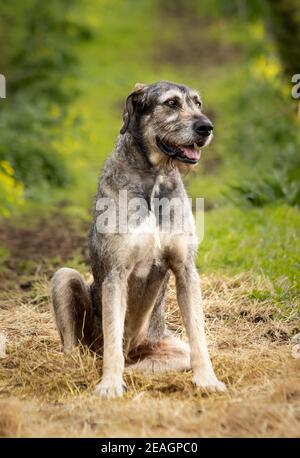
74, 313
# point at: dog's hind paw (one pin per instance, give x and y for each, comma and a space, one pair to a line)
110, 389
209, 384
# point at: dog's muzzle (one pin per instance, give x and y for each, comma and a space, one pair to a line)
189, 154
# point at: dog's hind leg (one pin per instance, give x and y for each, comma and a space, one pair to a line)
145, 317
72, 307
160, 351
169, 354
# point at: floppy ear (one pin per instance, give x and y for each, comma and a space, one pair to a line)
137, 96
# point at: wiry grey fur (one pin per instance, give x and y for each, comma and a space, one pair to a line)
122, 311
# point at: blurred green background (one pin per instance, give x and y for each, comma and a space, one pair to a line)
69, 65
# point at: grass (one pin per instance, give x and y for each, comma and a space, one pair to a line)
46, 393
258, 241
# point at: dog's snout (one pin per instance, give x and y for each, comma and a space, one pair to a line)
203, 127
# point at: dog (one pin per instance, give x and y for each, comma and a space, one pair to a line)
122, 312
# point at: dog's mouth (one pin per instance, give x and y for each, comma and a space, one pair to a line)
184, 153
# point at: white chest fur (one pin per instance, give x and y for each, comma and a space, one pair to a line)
149, 244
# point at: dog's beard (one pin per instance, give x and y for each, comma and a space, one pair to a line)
169, 154
188, 153
167, 163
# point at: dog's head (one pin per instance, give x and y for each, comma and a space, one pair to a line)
166, 120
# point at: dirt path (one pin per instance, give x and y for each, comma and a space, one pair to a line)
44, 393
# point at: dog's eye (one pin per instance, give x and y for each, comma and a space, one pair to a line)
198, 104
171, 103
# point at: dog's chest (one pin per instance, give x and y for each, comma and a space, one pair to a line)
154, 248
164, 233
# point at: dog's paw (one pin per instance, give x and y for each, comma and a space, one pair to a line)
209, 384
109, 389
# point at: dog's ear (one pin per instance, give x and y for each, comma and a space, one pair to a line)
139, 87
136, 98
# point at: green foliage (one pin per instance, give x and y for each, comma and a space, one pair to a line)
27, 143
278, 187
284, 19
39, 40
11, 191
38, 59
264, 242
269, 190
275, 155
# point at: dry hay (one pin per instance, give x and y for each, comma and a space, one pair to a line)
46, 393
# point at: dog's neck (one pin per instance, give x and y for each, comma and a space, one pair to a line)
132, 153
127, 169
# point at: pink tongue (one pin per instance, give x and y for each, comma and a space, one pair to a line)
191, 153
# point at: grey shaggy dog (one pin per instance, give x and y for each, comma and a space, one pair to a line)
122, 312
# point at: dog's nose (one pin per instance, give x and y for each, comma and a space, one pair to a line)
203, 127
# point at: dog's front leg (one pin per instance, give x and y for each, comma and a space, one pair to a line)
190, 303
113, 315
